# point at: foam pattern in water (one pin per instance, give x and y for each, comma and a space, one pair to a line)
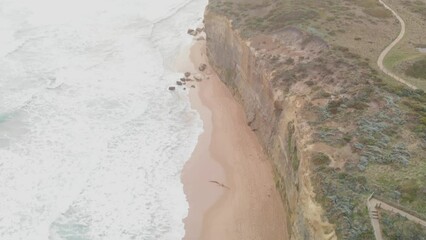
91, 141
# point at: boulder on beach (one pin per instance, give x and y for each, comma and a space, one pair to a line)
202, 67
182, 79
172, 88
201, 38
179, 83
198, 77
192, 32
193, 86
198, 30
187, 74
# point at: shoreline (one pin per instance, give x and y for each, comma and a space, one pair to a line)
201, 168
225, 200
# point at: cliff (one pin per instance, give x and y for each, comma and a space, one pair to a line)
323, 116
274, 117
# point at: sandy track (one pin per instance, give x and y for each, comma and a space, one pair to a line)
389, 48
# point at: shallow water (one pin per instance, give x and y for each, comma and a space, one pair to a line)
91, 141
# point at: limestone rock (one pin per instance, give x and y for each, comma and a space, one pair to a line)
192, 32
198, 78
202, 67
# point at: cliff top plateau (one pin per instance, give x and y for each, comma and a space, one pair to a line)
339, 122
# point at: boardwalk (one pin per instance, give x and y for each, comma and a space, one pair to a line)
374, 205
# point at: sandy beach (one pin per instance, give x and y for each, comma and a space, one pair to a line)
228, 181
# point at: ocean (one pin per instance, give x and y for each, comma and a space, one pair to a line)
92, 142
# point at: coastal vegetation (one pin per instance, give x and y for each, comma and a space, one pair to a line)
405, 54
417, 69
351, 107
396, 227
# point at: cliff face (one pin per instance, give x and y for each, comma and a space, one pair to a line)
335, 128
248, 68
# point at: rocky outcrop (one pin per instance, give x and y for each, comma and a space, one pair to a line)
248, 68
202, 67
192, 32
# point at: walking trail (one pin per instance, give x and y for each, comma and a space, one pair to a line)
388, 48
374, 205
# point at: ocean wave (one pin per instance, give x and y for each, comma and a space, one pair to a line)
94, 144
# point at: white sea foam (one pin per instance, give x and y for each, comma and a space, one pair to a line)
91, 141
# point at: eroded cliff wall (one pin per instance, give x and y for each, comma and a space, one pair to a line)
334, 126
248, 68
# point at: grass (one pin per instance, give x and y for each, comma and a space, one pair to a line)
378, 12
381, 122
395, 227
373, 8
417, 69
404, 53
417, 7
409, 190
403, 185
386, 165
320, 159
394, 57
401, 61
292, 147
342, 195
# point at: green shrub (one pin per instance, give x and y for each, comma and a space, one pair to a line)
378, 12
289, 61
417, 69
320, 158
409, 190
395, 227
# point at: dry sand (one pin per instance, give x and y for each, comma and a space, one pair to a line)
247, 205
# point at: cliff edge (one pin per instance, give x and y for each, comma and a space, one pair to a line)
334, 128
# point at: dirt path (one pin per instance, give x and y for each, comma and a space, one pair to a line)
375, 221
374, 205
388, 48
